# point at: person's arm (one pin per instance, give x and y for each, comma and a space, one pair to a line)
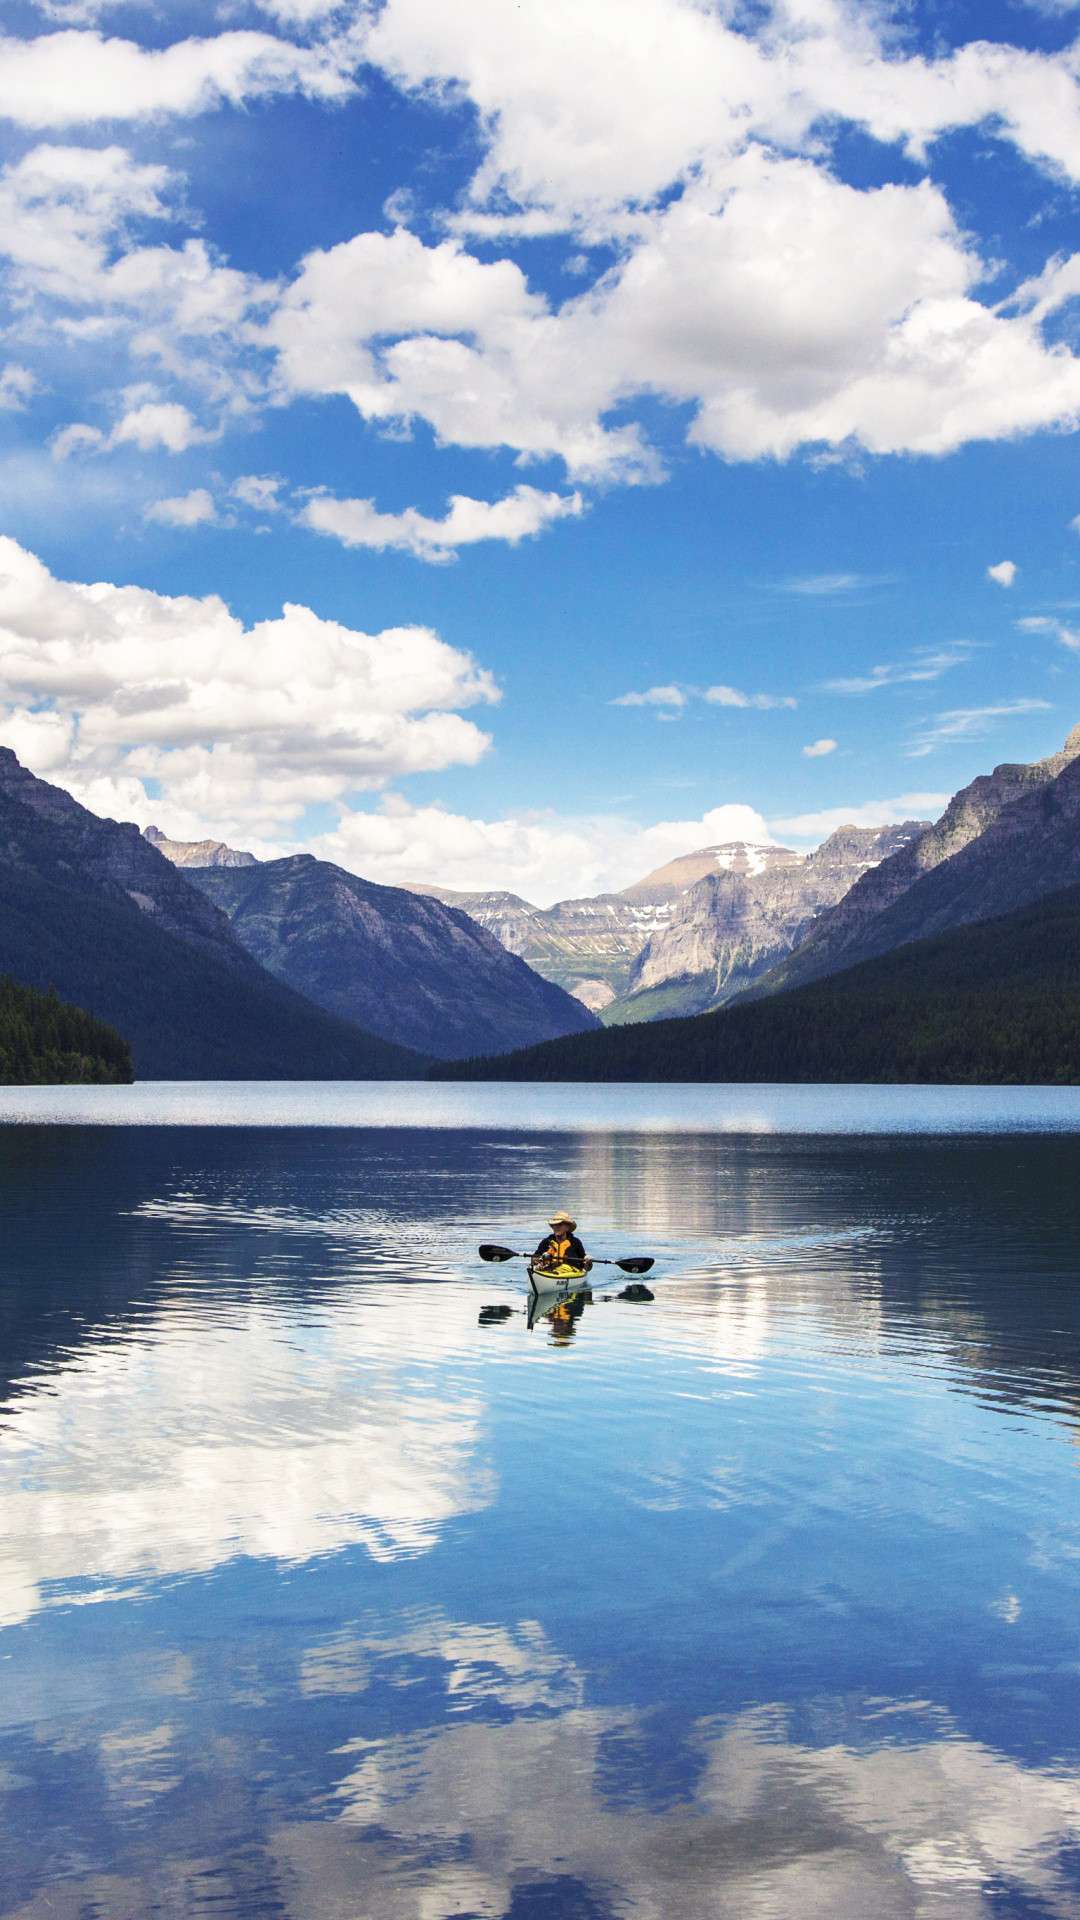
577, 1251
544, 1247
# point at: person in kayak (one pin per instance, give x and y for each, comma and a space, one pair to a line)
561, 1246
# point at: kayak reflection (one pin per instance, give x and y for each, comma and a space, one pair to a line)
560, 1306
559, 1303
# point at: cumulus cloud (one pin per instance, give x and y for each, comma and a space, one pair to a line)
75, 77
818, 749
926, 663
855, 325
591, 108
518, 516
236, 727
259, 491
154, 425
542, 855
1003, 574
194, 509
968, 723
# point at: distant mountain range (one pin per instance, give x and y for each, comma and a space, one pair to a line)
214, 964
689, 935
731, 924
995, 1003
411, 969
869, 992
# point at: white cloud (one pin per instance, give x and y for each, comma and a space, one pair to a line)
925, 664
818, 749
163, 424
518, 516
153, 425
1042, 623
298, 13
968, 723
543, 856
854, 326
732, 697
667, 696
17, 388
818, 824
194, 509
74, 78
1004, 573
830, 586
590, 109
239, 727
259, 491
676, 695
407, 330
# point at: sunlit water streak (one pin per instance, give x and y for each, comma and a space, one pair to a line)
319, 1599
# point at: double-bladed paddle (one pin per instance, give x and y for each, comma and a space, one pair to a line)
635, 1263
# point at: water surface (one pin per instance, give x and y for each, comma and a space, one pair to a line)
319, 1599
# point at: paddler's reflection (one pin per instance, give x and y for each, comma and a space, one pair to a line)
564, 1316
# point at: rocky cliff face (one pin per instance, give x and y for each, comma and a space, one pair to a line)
733, 924
405, 966
872, 917
197, 853
589, 945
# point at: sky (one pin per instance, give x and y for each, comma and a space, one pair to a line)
509, 447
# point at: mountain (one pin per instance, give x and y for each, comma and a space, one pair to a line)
1006, 839
401, 965
197, 853
589, 945
994, 1003
89, 906
740, 918
44, 1042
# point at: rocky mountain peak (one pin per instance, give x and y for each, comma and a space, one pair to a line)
197, 853
743, 915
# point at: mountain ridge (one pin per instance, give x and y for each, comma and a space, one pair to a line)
868, 919
402, 965
90, 907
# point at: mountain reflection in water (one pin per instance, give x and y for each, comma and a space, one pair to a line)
316, 1598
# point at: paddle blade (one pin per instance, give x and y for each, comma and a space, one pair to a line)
635, 1265
498, 1253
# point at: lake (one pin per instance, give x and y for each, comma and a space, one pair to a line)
320, 1600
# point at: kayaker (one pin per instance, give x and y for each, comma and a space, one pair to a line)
561, 1246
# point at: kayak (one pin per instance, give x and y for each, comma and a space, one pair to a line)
552, 1279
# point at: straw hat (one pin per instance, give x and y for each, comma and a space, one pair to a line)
562, 1219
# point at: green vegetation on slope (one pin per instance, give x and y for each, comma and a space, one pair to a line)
44, 1042
997, 1003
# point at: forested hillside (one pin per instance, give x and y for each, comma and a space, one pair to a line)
998, 1002
46, 1042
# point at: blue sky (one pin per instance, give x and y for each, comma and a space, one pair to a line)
622, 401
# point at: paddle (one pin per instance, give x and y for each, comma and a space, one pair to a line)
635, 1263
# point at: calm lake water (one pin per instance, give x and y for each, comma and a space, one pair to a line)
320, 1600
